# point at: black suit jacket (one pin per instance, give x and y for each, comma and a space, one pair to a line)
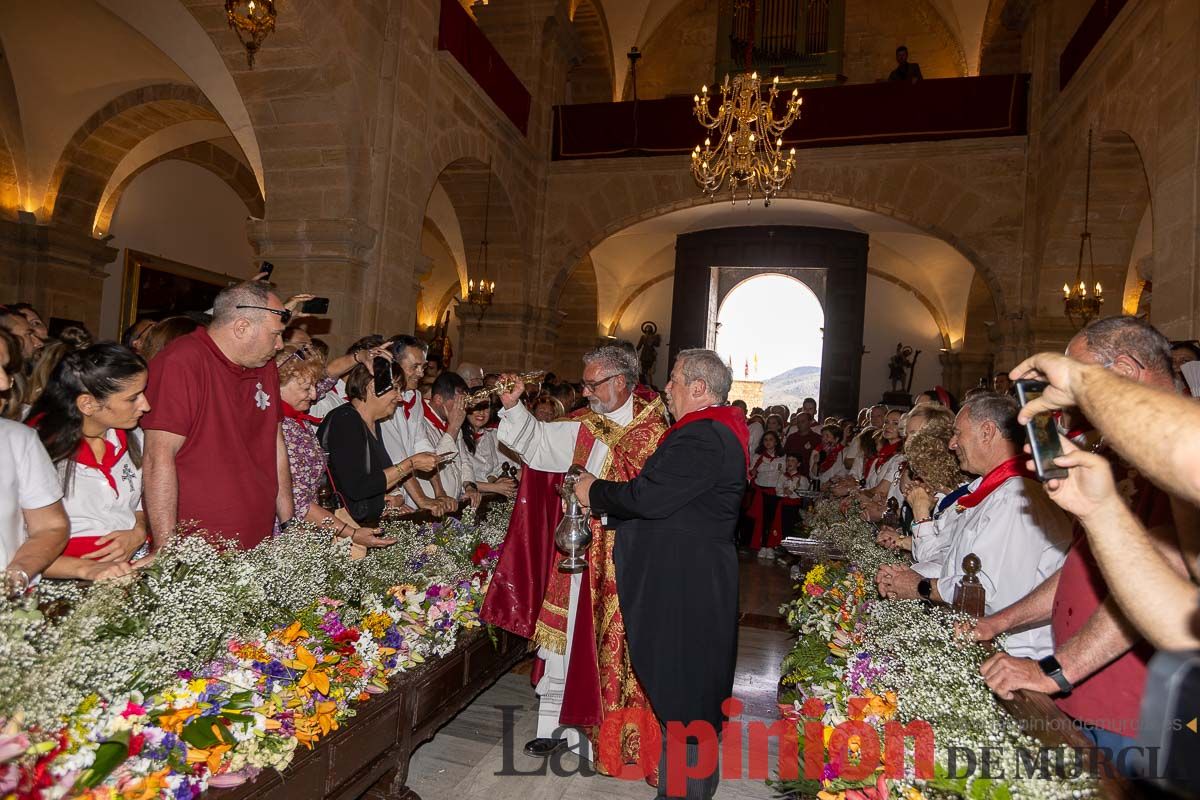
677, 568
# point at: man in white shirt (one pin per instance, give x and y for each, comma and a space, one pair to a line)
444, 415
614, 437
1020, 536
405, 433
33, 525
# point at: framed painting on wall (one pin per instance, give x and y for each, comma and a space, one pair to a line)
155, 288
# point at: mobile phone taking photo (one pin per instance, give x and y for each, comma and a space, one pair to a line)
383, 376
317, 305
1044, 444
266, 270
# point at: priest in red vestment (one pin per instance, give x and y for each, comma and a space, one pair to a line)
584, 671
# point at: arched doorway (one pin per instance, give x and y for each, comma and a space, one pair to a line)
770, 330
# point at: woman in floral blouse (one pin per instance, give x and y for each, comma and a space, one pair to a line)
304, 377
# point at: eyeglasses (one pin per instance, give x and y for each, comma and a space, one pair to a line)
592, 386
284, 314
300, 355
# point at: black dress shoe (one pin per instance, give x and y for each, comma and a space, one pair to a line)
544, 748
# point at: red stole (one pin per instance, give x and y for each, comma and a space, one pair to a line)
731, 417
758, 463
1012, 468
880, 458
112, 455
432, 418
300, 416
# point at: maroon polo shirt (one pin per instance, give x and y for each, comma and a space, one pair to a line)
229, 417
802, 445
1110, 698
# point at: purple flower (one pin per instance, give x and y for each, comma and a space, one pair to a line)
434, 591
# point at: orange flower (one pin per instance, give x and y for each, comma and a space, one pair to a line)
313, 678
173, 720
291, 633
210, 757
148, 788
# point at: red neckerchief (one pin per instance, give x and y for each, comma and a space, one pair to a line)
112, 455
1012, 468
407, 405
758, 462
881, 457
731, 417
828, 459
300, 416
433, 419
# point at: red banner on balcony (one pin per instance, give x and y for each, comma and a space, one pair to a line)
871, 113
460, 37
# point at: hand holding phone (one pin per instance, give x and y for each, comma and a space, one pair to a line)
315, 305
1042, 433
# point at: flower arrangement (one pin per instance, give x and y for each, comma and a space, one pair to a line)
861, 659
214, 664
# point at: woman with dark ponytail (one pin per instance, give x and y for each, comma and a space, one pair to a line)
85, 418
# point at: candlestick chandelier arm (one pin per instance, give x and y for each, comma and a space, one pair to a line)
748, 156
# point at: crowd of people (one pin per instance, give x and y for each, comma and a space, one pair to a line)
234, 423
237, 424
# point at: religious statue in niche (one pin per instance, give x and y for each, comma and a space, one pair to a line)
901, 367
647, 350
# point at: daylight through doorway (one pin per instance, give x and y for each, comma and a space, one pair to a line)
769, 331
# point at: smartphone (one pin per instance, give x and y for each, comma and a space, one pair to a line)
1042, 432
318, 305
267, 268
383, 376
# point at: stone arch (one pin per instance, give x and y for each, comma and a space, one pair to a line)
177, 33
578, 325
591, 80
952, 196
480, 200
981, 316
614, 325
939, 318
1120, 197
92, 154
14, 187
216, 160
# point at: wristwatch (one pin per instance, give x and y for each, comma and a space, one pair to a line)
925, 588
1052, 669
289, 524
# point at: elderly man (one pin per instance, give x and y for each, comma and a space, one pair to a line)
407, 433
214, 449
1020, 536
678, 519
1100, 660
586, 673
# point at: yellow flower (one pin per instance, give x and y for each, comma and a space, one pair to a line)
824, 795
377, 623
913, 793
148, 788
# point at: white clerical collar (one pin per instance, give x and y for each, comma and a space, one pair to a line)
625, 412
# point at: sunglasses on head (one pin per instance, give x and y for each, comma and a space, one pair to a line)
284, 314
301, 354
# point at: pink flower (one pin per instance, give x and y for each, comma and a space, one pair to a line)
133, 710
814, 590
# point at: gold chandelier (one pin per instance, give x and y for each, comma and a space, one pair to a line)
252, 21
480, 294
1080, 308
749, 152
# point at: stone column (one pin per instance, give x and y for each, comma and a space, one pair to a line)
325, 257
59, 270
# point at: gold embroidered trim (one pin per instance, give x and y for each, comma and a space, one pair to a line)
547, 637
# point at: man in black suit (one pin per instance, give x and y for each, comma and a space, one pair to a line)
676, 558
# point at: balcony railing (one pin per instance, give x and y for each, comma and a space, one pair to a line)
460, 36
872, 113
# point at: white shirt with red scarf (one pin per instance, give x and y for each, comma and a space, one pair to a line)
105, 494
767, 471
407, 432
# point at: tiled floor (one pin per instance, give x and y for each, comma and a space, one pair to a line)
467, 756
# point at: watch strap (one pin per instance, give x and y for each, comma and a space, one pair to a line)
1053, 670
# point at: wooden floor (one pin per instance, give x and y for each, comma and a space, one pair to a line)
463, 759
